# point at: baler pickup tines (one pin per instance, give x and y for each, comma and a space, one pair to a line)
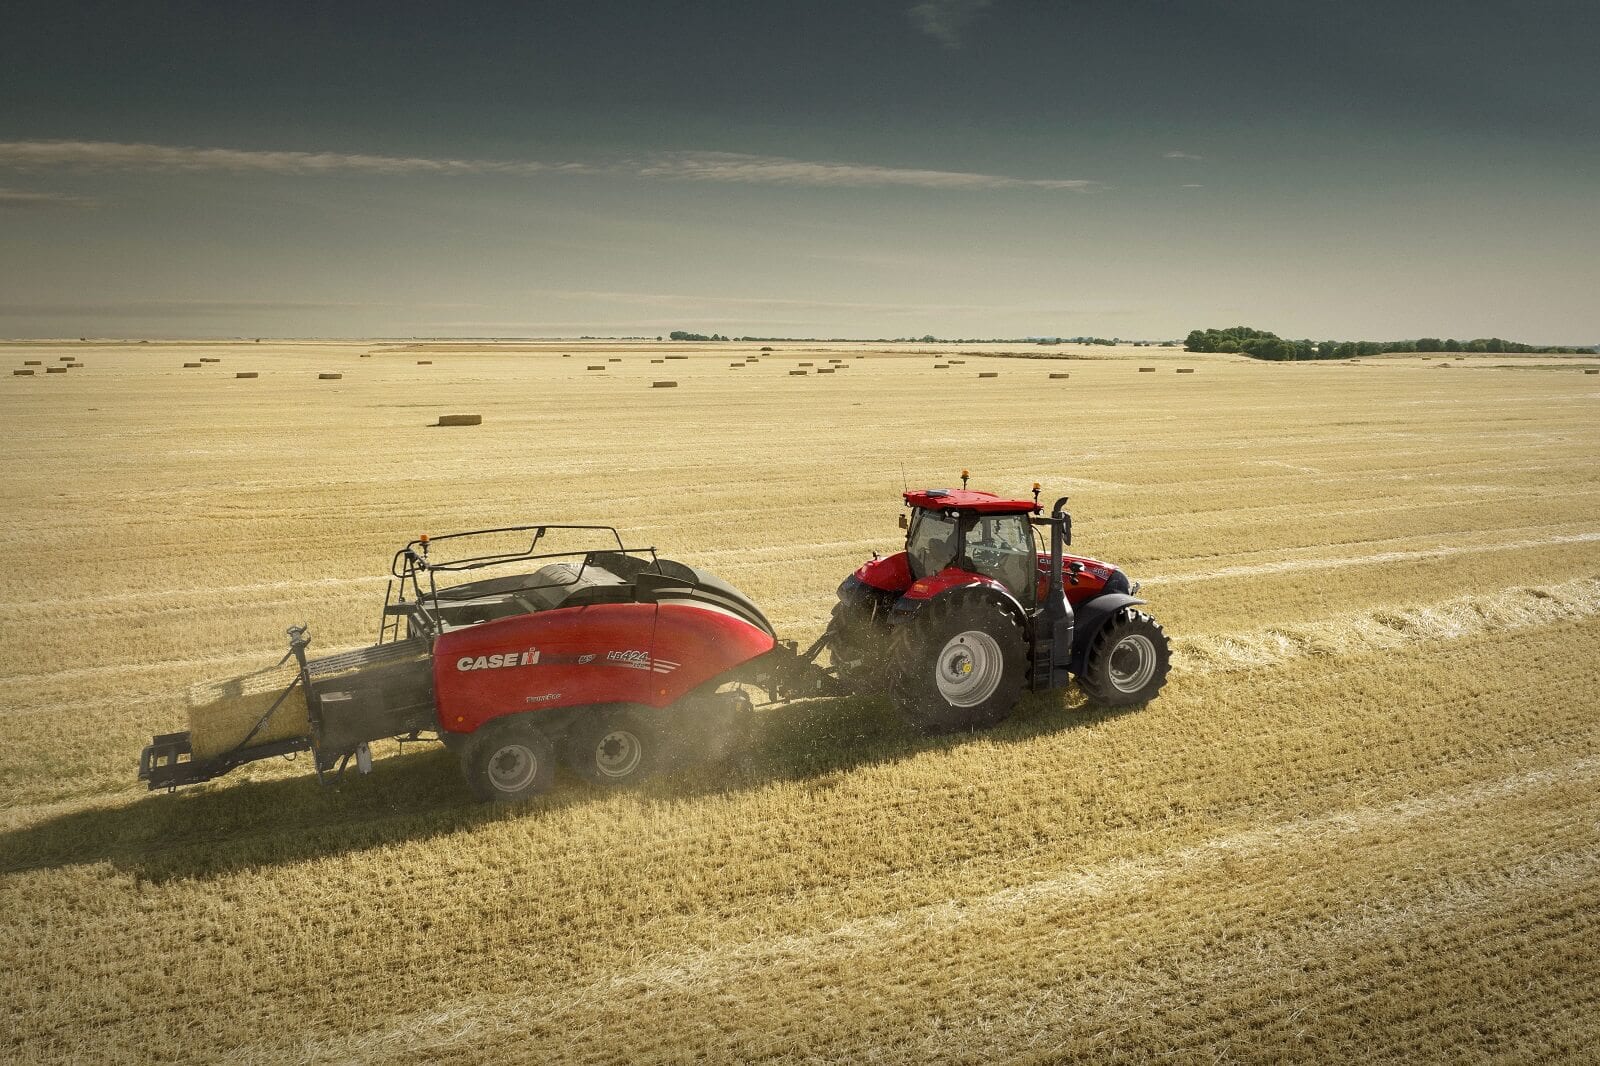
168, 762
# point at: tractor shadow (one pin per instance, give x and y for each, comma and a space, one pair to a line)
231, 826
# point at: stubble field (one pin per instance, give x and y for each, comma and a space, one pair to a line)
1361, 821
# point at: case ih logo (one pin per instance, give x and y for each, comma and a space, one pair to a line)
500, 661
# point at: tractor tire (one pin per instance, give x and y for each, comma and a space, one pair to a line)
856, 649
615, 747
1127, 662
957, 665
508, 760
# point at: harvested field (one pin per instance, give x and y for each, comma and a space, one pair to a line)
1362, 821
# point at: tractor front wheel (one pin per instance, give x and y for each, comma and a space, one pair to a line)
955, 666
508, 760
614, 747
1127, 662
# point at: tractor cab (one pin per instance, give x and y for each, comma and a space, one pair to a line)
977, 532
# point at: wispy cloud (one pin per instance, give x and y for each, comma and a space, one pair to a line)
944, 20
1175, 154
775, 170
727, 167
26, 199
109, 155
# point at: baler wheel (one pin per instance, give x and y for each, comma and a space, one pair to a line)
955, 666
509, 760
1127, 662
614, 747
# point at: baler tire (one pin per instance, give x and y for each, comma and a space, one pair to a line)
1136, 641
615, 747
508, 760
933, 640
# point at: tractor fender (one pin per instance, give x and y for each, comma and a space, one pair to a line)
1090, 616
948, 584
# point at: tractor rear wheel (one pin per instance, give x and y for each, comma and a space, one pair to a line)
856, 648
508, 760
955, 666
614, 747
1127, 662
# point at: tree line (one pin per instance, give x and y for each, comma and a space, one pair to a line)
1260, 344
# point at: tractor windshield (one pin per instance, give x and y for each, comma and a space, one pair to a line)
1001, 547
931, 544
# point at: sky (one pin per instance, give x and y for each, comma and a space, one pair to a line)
796, 168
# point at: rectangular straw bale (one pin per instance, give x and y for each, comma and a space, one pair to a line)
677, 357
22, 373
824, 369
64, 358
988, 373
55, 370
211, 359
600, 366
1058, 377
424, 362
247, 374
191, 365
797, 373
329, 377
1186, 370
222, 713
460, 420
663, 384
1147, 370
33, 362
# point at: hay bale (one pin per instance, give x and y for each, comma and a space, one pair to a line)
247, 374
797, 373
33, 362
65, 358
835, 360
805, 364
1186, 370
735, 366
613, 360
424, 362
658, 360
677, 357
22, 373
595, 366
329, 377
663, 384
824, 369
941, 366
190, 366
55, 370
1059, 377
988, 373
74, 366
1592, 371
957, 362
766, 348
210, 359
222, 713
459, 420
1147, 370
366, 355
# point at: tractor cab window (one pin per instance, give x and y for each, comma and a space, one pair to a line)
1001, 547
931, 543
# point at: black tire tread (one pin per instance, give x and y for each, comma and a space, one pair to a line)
908, 663
1115, 627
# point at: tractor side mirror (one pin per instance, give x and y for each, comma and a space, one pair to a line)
905, 523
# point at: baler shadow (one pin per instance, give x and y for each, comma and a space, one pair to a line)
231, 826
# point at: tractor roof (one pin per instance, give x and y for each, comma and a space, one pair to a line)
969, 500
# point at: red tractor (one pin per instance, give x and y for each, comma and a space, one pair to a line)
973, 611
616, 662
